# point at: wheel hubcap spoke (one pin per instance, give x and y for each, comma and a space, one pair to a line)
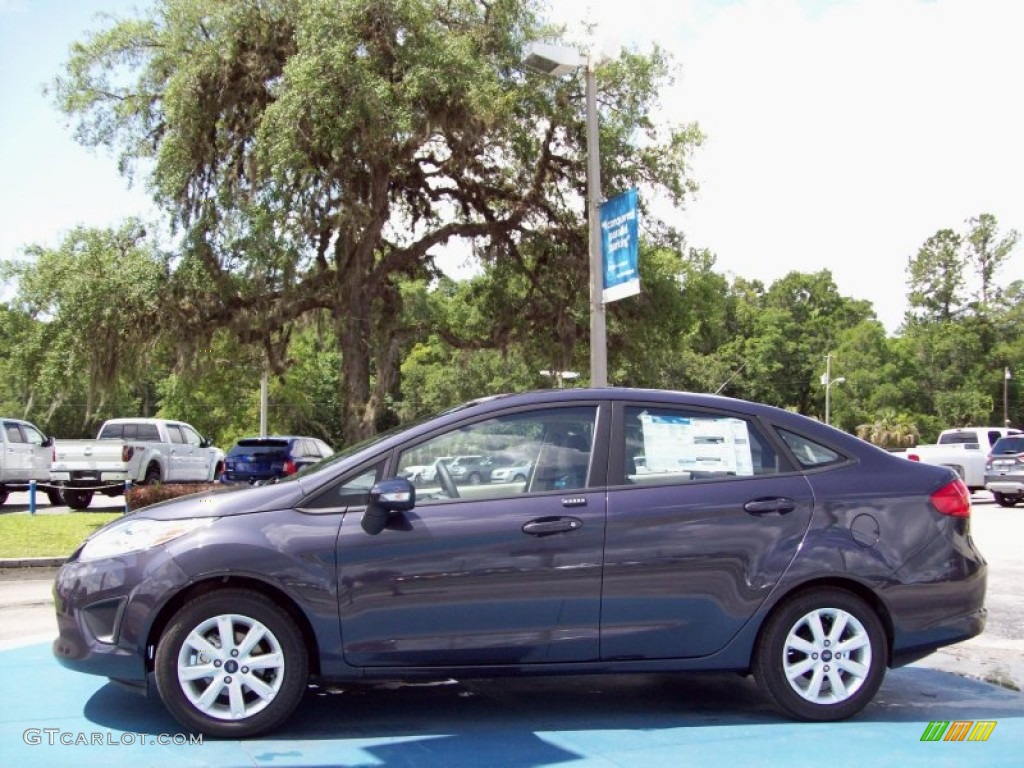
231, 667
827, 656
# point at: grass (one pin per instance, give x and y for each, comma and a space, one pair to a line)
48, 535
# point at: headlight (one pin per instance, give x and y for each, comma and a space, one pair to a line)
137, 535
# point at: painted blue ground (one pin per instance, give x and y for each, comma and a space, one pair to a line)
649, 721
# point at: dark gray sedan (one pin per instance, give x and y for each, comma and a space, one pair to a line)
654, 532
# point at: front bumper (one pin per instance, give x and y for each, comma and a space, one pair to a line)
106, 608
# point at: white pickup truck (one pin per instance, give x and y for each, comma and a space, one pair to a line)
24, 457
963, 450
140, 450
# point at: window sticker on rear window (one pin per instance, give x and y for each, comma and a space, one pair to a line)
676, 443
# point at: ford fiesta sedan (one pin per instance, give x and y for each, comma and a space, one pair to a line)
654, 532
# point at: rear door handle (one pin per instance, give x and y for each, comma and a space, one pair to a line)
545, 526
780, 505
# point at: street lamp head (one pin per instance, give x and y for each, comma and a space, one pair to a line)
840, 380
555, 60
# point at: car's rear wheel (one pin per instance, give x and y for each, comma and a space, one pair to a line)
77, 499
3, 498
152, 476
822, 655
231, 664
54, 497
1005, 500
474, 478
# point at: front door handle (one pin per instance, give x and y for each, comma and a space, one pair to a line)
781, 505
545, 526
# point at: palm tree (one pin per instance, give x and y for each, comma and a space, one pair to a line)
891, 430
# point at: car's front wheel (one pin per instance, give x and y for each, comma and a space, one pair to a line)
822, 655
231, 664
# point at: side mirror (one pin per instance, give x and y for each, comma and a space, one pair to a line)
386, 498
47, 442
206, 442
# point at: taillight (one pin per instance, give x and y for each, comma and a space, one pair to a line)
127, 452
913, 457
953, 499
289, 467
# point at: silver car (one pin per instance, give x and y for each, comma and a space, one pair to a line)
1004, 471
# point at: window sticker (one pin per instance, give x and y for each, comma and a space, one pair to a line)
674, 443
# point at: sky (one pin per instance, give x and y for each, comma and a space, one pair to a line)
840, 134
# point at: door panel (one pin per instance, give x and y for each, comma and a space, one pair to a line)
463, 584
489, 573
707, 522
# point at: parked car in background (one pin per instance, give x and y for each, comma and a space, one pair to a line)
24, 457
756, 541
1004, 471
516, 472
258, 459
424, 474
964, 450
141, 450
480, 469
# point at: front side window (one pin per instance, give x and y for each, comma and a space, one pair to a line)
32, 435
191, 436
678, 446
13, 433
536, 452
174, 434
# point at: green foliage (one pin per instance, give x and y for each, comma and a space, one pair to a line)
318, 153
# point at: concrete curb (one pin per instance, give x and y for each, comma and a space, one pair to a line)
32, 562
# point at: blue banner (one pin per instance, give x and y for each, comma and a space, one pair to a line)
620, 247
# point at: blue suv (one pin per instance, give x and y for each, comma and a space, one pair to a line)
258, 459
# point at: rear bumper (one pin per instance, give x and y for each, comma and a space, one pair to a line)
1013, 487
920, 644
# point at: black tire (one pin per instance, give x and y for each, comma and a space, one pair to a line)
519, 479
3, 497
152, 476
474, 478
54, 497
1005, 500
77, 499
284, 684
828, 689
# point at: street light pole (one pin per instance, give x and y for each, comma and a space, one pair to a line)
598, 328
1006, 396
557, 60
828, 381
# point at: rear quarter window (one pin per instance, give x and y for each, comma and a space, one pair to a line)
810, 454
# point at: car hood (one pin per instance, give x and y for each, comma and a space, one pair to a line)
223, 502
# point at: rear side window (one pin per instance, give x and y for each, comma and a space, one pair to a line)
112, 432
677, 446
809, 453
